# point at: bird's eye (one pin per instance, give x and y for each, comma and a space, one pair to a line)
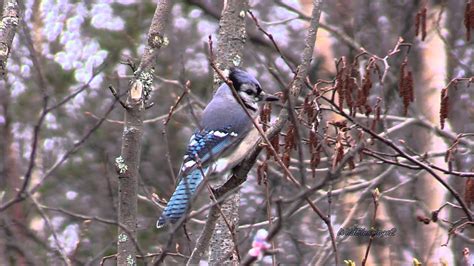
249, 91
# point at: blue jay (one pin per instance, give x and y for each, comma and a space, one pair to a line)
220, 143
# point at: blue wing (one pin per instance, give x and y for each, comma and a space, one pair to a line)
204, 147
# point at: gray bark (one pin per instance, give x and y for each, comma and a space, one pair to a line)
8, 24
222, 247
128, 182
128, 166
232, 37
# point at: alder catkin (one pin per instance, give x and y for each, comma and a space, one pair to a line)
443, 112
469, 19
423, 24
469, 192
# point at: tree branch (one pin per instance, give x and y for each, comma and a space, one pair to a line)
129, 161
8, 25
241, 171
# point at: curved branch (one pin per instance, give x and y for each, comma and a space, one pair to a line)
410, 158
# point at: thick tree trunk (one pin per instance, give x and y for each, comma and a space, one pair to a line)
372, 34
10, 179
129, 161
128, 181
232, 37
9, 175
461, 108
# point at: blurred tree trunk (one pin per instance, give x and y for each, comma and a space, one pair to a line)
401, 23
4, 145
377, 26
231, 40
461, 104
10, 179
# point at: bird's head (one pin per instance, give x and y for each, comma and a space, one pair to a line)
249, 88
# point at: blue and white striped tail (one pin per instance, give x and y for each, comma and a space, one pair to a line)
179, 202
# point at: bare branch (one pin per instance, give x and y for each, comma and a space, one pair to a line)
53, 232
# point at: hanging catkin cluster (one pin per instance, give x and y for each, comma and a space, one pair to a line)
348, 89
405, 86
443, 112
420, 23
469, 19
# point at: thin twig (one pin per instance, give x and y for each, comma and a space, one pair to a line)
375, 197
173, 108
117, 97
410, 158
97, 219
45, 217
22, 194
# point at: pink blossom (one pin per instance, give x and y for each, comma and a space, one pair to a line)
259, 244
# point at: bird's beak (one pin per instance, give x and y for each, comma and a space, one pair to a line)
267, 97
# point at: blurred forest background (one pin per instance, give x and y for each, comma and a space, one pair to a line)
61, 127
